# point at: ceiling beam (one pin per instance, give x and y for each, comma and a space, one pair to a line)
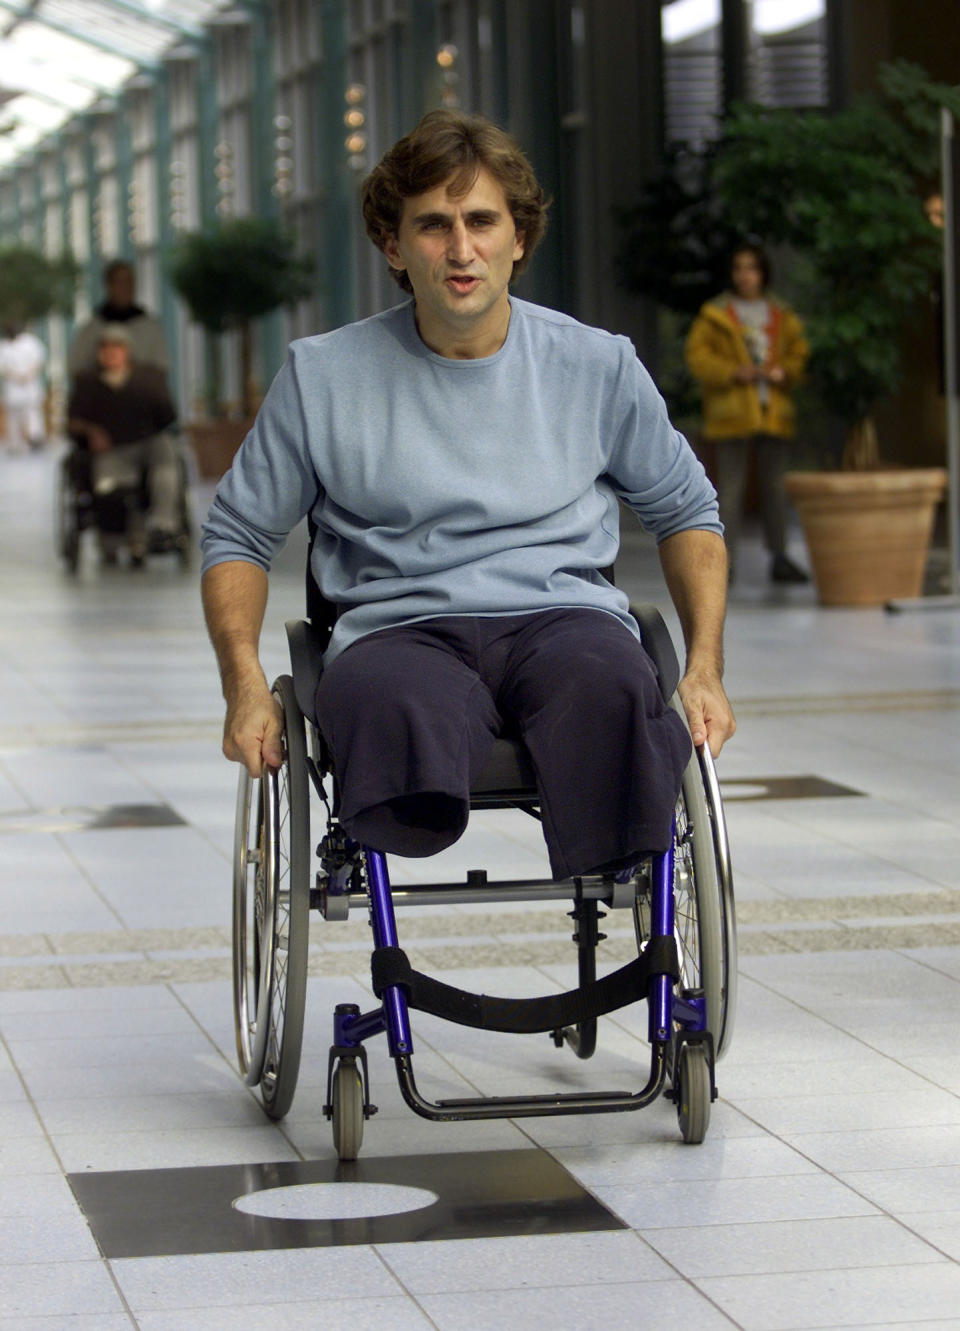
30, 15
157, 18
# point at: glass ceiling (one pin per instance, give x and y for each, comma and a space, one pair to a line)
58, 57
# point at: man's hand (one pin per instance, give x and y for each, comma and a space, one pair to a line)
709, 714
234, 599
99, 440
253, 729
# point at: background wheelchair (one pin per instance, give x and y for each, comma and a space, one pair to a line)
682, 905
79, 509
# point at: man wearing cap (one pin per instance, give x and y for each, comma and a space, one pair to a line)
120, 413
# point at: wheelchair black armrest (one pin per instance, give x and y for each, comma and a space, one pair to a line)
306, 645
659, 646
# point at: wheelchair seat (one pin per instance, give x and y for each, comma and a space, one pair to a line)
508, 775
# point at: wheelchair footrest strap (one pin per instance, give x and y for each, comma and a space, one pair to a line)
524, 1016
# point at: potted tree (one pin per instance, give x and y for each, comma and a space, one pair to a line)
844, 192
33, 286
230, 275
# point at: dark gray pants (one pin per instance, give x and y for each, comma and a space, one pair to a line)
410, 715
733, 456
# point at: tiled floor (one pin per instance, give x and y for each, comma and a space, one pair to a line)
828, 1191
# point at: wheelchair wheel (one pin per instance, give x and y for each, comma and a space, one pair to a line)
693, 1093
271, 915
347, 1100
68, 522
728, 920
704, 923
697, 900
186, 539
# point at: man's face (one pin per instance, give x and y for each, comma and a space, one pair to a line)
459, 255
114, 356
120, 287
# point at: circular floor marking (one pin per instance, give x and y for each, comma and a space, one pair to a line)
334, 1201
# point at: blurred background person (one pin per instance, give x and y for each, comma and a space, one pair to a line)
147, 341
22, 360
120, 414
747, 350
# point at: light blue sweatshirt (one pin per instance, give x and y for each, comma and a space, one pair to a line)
458, 487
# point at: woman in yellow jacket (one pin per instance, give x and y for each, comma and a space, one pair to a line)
748, 352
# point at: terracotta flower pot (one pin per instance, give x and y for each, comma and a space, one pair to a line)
867, 532
214, 443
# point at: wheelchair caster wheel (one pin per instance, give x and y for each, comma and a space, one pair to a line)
347, 1101
693, 1093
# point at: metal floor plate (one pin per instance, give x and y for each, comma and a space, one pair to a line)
480, 1194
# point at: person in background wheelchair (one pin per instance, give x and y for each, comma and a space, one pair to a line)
462, 456
119, 416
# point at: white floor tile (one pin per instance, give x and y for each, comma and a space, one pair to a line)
26, 1155
59, 1289
45, 1240
612, 1306
237, 1279
522, 1261
790, 1245
734, 1201
359, 1314
68, 1322
185, 1147
790, 1301
895, 1148
848, 1113
666, 1163
35, 1194
906, 1192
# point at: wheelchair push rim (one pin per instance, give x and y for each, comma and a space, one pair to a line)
271, 915
705, 927
728, 915
251, 892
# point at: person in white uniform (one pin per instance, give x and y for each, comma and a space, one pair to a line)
22, 360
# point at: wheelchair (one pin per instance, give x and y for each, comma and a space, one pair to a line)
681, 901
78, 508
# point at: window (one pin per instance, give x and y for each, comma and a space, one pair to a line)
787, 64
778, 56
692, 69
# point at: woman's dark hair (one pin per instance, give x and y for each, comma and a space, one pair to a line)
445, 144
754, 248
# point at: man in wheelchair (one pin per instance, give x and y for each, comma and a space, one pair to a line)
119, 417
461, 457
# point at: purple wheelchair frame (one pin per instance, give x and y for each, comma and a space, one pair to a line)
675, 1017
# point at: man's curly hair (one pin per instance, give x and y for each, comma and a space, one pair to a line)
450, 144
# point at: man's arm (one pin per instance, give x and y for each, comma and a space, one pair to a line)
234, 601
80, 425
694, 565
